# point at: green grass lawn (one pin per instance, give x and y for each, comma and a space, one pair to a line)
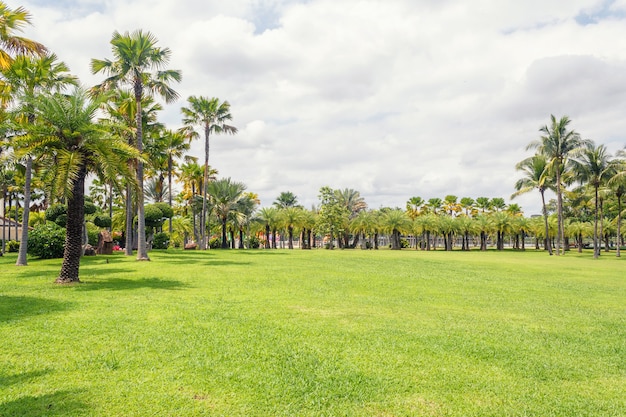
316, 333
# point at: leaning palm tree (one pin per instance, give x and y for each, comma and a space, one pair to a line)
212, 116
25, 78
594, 168
11, 21
536, 176
135, 57
66, 136
225, 194
558, 145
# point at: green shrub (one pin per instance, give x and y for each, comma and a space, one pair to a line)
165, 208
13, 246
404, 243
215, 243
160, 241
92, 234
102, 220
46, 241
153, 216
61, 220
254, 242
90, 208
55, 211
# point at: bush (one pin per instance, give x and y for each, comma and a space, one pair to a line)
90, 208
254, 242
13, 246
46, 241
404, 243
215, 243
165, 208
160, 241
153, 216
61, 220
102, 220
55, 211
92, 234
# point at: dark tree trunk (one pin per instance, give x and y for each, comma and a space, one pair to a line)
273, 238
241, 246
128, 249
73, 234
224, 239
267, 237
290, 233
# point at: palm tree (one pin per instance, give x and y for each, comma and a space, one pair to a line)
291, 217
467, 204
66, 136
354, 204
285, 199
484, 204
225, 194
558, 145
535, 177
121, 110
595, 168
211, 116
25, 78
414, 206
136, 55
269, 217
396, 222
618, 183
11, 21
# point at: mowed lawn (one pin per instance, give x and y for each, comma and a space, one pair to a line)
316, 333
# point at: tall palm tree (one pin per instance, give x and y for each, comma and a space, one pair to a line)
225, 194
135, 57
595, 167
121, 112
286, 199
66, 136
558, 144
25, 78
535, 177
354, 204
414, 206
12, 21
212, 116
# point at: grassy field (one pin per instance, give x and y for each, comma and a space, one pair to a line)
316, 333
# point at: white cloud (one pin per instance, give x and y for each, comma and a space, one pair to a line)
393, 99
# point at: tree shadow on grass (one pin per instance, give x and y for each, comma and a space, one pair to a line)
15, 308
6, 380
60, 403
121, 284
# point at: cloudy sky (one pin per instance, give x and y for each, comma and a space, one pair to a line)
394, 98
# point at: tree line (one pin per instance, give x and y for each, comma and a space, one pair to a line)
56, 134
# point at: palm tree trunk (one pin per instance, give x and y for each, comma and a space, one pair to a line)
596, 249
21, 257
128, 250
268, 244
559, 209
169, 179
547, 245
619, 226
224, 239
204, 187
142, 251
73, 234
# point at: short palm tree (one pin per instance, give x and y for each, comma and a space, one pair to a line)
66, 136
135, 57
225, 194
268, 216
396, 222
212, 116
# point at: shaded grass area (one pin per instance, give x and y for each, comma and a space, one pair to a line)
316, 333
